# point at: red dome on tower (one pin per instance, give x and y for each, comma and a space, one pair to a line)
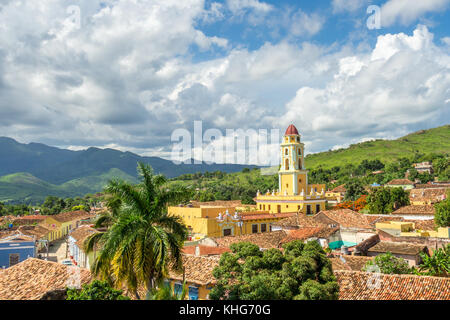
291, 130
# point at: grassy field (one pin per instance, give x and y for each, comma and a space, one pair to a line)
435, 140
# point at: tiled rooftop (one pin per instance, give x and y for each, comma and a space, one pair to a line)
73, 215
36, 231
299, 221
197, 270
32, 278
399, 182
340, 188
425, 209
81, 233
205, 250
309, 232
397, 247
357, 285
264, 240
347, 218
348, 262
428, 194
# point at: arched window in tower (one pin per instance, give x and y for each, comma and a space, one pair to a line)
299, 152
299, 164
286, 151
286, 164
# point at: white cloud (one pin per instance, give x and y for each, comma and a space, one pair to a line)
304, 24
405, 12
398, 87
127, 78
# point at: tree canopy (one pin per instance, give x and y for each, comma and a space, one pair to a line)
301, 271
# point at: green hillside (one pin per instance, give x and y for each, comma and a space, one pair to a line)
24, 187
436, 140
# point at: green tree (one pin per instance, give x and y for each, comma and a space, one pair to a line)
442, 212
301, 271
385, 200
96, 290
399, 198
438, 264
354, 189
144, 241
165, 292
388, 264
379, 201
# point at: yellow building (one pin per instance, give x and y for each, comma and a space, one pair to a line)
61, 224
211, 221
294, 194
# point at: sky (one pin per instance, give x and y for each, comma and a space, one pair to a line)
126, 74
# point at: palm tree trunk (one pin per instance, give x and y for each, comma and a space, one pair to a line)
137, 295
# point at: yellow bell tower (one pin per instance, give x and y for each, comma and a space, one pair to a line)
293, 178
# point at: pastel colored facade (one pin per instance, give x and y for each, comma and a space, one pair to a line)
294, 194
15, 249
62, 224
224, 221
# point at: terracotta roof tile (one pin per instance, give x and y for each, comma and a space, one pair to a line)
429, 194
348, 262
340, 188
400, 182
357, 285
398, 247
197, 269
264, 240
205, 250
32, 278
73, 215
81, 233
309, 232
347, 218
425, 209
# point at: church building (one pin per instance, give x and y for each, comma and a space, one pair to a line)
294, 194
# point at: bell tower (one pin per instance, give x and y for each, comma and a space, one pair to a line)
293, 178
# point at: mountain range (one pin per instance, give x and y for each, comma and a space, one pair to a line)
30, 172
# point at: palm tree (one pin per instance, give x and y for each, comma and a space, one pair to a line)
143, 241
165, 292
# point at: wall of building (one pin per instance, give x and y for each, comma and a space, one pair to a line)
24, 249
356, 236
412, 260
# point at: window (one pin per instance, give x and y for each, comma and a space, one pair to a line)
226, 232
299, 152
264, 207
286, 164
308, 209
279, 208
317, 208
286, 151
254, 228
178, 288
260, 207
13, 259
193, 293
269, 206
298, 207
263, 227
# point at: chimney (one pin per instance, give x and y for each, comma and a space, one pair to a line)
197, 251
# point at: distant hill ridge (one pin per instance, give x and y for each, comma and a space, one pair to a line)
30, 172
435, 140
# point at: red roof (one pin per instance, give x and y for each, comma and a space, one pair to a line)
291, 130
